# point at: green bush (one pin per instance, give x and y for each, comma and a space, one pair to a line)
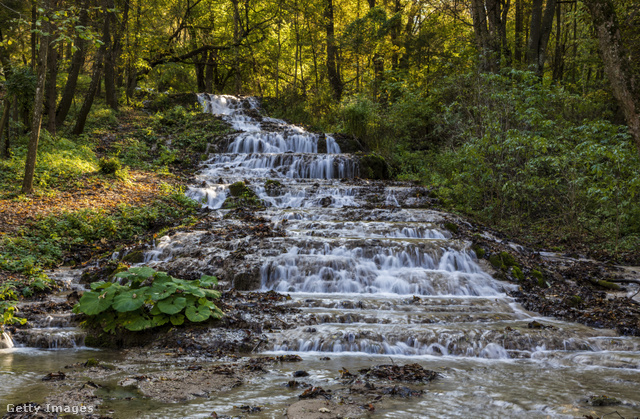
8, 301
148, 299
110, 165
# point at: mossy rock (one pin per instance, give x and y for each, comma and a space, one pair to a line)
373, 166
452, 227
239, 189
537, 274
574, 300
517, 272
541, 283
504, 260
605, 284
137, 256
496, 261
508, 259
478, 250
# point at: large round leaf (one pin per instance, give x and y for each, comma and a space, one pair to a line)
137, 322
129, 301
172, 305
143, 271
198, 313
161, 291
177, 319
95, 302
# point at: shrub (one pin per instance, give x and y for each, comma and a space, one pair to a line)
109, 166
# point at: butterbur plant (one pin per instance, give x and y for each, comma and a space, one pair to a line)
147, 299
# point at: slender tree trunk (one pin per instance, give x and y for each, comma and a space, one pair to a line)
77, 62
52, 91
96, 76
540, 31
236, 47
208, 73
332, 65
34, 35
118, 45
378, 64
200, 78
617, 63
519, 32
558, 59
111, 95
91, 93
43, 50
4, 122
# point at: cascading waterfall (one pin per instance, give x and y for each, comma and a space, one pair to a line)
373, 278
369, 263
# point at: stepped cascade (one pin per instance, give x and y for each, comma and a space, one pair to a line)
376, 277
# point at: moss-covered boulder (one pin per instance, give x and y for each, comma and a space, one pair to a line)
373, 166
241, 196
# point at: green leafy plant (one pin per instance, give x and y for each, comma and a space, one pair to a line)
148, 299
109, 166
8, 301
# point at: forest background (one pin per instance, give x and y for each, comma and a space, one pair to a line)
522, 115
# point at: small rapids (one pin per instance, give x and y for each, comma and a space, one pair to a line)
377, 279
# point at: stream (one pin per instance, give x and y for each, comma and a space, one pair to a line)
377, 279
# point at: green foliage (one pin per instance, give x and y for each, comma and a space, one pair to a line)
8, 301
517, 153
43, 244
22, 84
109, 165
146, 299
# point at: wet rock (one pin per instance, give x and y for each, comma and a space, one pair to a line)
250, 409
603, 400
402, 391
409, 372
324, 409
300, 374
54, 376
137, 256
247, 281
315, 392
289, 358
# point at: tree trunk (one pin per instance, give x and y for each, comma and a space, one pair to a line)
558, 59
487, 27
519, 32
539, 33
200, 78
236, 47
43, 50
332, 66
117, 45
94, 87
4, 122
617, 62
208, 73
77, 61
52, 91
111, 95
34, 35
